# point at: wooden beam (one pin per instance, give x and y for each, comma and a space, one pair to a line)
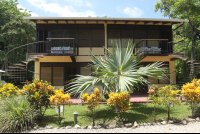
34, 21
45, 21
155, 23
73, 58
136, 22
56, 21
145, 22
163, 23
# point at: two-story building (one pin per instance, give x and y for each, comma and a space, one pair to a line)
69, 40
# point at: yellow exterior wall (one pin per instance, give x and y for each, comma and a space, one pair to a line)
172, 66
98, 50
83, 50
156, 58
55, 59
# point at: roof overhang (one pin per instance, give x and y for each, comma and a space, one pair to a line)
103, 20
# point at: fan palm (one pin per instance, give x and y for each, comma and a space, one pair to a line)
117, 71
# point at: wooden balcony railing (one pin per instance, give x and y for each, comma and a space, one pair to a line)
154, 47
54, 46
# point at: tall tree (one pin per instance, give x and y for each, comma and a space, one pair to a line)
14, 30
183, 9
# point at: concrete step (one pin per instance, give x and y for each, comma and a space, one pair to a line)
19, 64
15, 67
18, 77
14, 70
189, 61
14, 75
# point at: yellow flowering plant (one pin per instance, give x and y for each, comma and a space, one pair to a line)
92, 101
120, 100
8, 89
38, 94
156, 101
60, 99
168, 96
191, 92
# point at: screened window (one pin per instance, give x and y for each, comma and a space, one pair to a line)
126, 36
58, 33
70, 33
97, 37
58, 76
113, 37
84, 37
46, 74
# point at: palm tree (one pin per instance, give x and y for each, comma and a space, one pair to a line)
118, 71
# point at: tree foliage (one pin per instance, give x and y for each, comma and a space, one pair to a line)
183, 9
14, 30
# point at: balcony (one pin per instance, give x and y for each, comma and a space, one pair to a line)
53, 47
154, 47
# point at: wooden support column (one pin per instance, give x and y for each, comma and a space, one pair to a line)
106, 37
37, 70
172, 68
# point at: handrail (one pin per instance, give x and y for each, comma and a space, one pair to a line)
62, 39
29, 39
151, 39
6, 59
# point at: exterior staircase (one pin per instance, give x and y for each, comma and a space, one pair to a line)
182, 55
17, 59
16, 64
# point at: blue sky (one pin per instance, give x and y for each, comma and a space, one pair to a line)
94, 8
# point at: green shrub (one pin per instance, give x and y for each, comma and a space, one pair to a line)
38, 94
16, 114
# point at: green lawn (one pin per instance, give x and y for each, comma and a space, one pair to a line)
140, 112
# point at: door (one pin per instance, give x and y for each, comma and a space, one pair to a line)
70, 73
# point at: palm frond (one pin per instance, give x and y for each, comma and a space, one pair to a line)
119, 70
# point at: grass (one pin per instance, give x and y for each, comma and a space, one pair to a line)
140, 112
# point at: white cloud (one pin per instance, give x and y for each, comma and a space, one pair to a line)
79, 3
133, 12
64, 11
32, 14
88, 4
75, 2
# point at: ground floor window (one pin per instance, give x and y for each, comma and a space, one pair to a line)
58, 76
46, 74
60, 73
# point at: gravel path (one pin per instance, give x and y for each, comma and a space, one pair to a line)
191, 127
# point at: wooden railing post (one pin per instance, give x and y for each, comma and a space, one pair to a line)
74, 47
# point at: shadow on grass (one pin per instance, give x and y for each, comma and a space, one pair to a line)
53, 119
136, 112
